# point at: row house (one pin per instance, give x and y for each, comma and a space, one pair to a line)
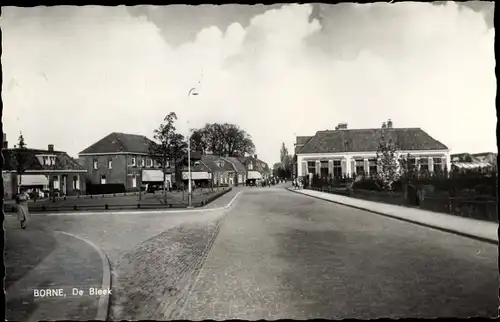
122, 158
256, 168
44, 171
343, 151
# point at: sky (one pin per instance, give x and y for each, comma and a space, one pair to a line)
72, 75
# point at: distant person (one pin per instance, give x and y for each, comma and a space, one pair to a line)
22, 207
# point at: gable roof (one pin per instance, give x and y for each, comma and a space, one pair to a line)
120, 142
366, 140
259, 165
301, 141
63, 160
212, 161
238, 166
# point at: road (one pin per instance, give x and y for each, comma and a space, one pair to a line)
275, 254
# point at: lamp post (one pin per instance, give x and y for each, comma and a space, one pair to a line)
192, 92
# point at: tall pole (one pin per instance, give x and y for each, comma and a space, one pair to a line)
192, 91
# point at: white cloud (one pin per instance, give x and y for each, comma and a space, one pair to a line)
73, 74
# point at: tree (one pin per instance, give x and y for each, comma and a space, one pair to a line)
387, 162
21, 158
168, 147
222, 139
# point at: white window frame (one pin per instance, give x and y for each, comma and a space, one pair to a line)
95, 164
110, 164
52, 160
150, 163
134, 181
134, 162
45, 160
143, 163
103, 176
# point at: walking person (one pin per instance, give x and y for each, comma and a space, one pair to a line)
22, 207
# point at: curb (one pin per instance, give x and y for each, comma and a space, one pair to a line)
447, 230
103, 304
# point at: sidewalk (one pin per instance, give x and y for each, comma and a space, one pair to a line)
477, 229
39, 260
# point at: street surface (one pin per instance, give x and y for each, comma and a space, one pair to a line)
276, 254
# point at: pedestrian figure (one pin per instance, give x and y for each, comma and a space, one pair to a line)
22, 207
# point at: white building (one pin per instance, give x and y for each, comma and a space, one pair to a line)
349, 152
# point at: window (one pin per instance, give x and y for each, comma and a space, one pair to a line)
52, 160
373, 169
134, 181
337, 168
424, 164
110, 164
96, 164
360, 166
150, 163
197, 163
250, 166
324, 169
133, 162
103, 179
143, 163
311, 167
438, 165
45, 160
76, 182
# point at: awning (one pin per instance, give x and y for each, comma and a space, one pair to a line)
254, 175
471, 165
33, 180
198, 175
152, 176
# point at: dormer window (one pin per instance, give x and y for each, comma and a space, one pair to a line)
197, 163
96, 164
143, 162
52, 160
250, 166
45, 160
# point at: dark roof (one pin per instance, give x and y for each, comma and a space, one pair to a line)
63, 160
212, 161
260, 165
365, 140
120, 142
239, 167
301, 141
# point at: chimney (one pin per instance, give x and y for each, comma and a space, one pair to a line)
389, 124
5, 144
384, 126
51, 147
341, 126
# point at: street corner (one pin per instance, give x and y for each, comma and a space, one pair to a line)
68, 281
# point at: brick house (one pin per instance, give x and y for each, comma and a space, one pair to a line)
350, 152
223, 171
256, 169
123, 159
42, 168
240, 172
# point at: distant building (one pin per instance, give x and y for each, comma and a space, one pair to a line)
124, 159
255, 169
41, 167
468, 161
349, 152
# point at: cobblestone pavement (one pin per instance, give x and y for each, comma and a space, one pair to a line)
35, 260
153, 257
282, 255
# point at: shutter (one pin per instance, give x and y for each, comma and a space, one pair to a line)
330, 167
304, 168
367, 166
353, 167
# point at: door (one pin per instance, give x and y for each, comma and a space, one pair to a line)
103, 179
134, 181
